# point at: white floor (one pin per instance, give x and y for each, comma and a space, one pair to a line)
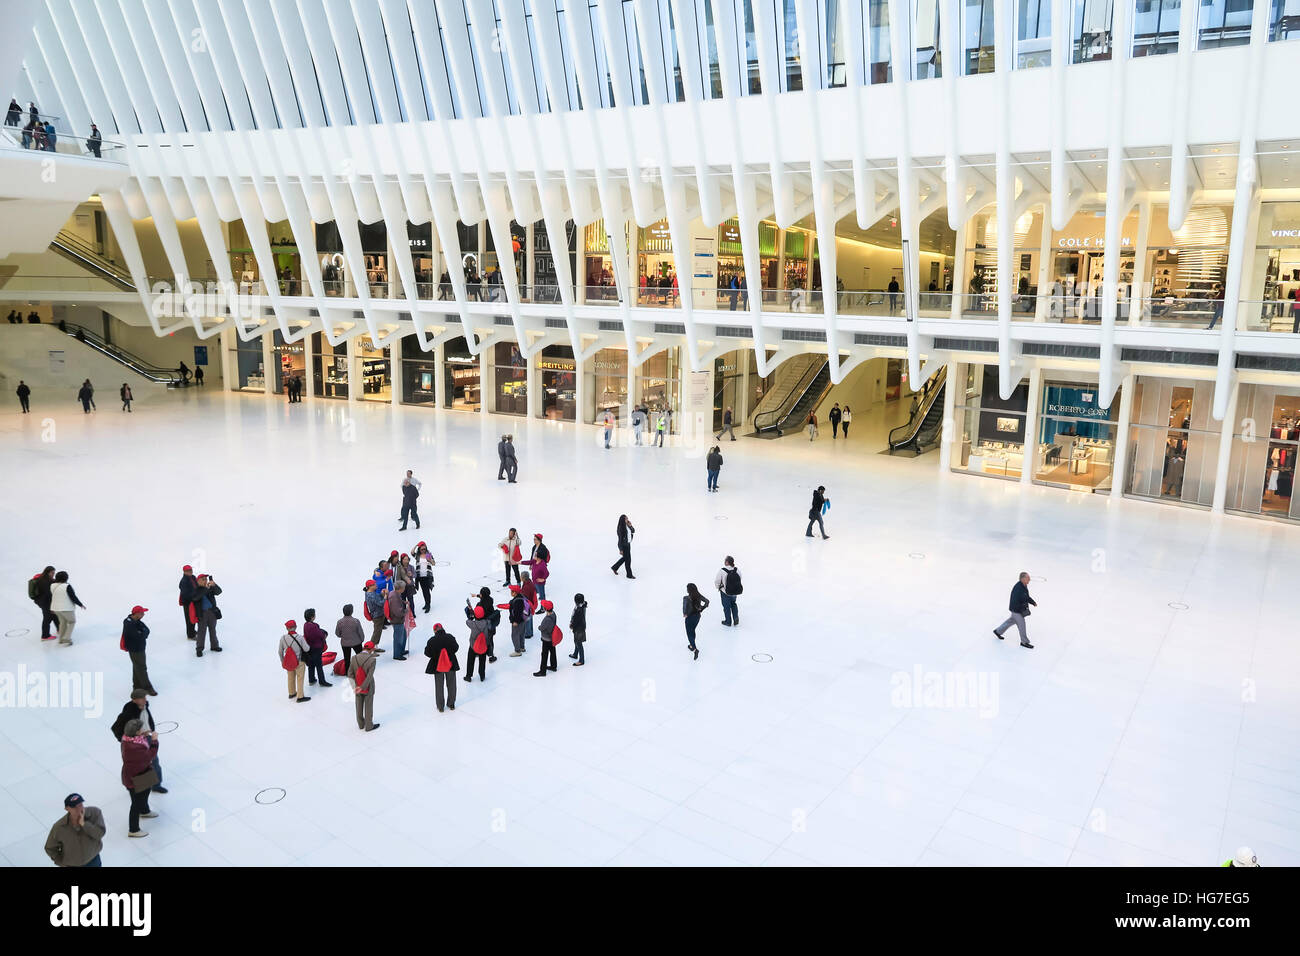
1134, 733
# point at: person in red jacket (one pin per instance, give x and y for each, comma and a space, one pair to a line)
315, 637
138, 750
539, 565
529, 592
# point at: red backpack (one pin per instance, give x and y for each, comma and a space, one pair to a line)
290, 660
556, 636
365, 610
444, 662
122, 642
480, 644
360, 679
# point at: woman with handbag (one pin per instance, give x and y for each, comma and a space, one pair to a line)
138, 776
424, 573
511, 549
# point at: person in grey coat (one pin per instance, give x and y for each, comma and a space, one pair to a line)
501, 455
512, 463
362, 674
78, 836
350, 634
546, 631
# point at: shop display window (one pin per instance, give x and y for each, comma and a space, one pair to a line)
511, 379
419, 374
290, 362
989, 433
329, 367
558, 374
376, 373
1173, 442
1261, 471
250, 366
1274, 304
1076, 437
609, 381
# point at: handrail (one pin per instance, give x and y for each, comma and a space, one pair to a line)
781, 411
929, 395
77, 247
155, 373
24, 138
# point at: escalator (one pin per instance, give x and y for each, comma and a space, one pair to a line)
792, 410
169, 377
77, 250
924, 428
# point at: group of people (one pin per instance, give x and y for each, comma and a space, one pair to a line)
841, 418
293, 388
509, 469
16, 317
51, 591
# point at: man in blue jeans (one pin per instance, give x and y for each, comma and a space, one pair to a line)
727, 581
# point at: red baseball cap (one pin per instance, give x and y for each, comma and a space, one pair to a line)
369, 645
392, 553
138, 609
187, 568
370, 582
420, 544
514, 589
291, 625
547, 606
478, 612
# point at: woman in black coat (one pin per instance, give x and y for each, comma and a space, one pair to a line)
693, 605
625, 532
441, 650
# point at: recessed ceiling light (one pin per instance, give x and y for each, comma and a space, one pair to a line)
1166, 182
1092, 155
1215, 150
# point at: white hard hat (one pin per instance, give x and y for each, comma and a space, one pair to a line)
1245, 857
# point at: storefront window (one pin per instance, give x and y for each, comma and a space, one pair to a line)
547, 288
609, 381
511, 379
290, 362
658, 382
982, 256
1076, 437
329, 367
733, 289
1261, 472
1078, 266
463, 386
598, 267
1173, 442
419, 374
376, 376
1155, 27
559, 383
989, 432
249, 363
1274, 304
656, 267
728, 385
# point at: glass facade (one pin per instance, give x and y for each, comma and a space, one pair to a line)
375, 370
419, 374
290, 362
989, 431
609, 381
558, 372
249, 365
329, 367
463, 377
511, 379
1076, 437
1173, 441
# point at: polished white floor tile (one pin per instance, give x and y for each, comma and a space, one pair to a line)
1133, 734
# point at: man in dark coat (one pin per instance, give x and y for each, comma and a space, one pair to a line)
137, 708
409, 495
42, 600
501, 454
206, 613
1019, 608
187, 586
443, 671
135, 632
512, 463
815, 512
24, 393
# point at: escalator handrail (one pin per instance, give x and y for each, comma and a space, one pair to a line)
77, 246
154, 373
780, 410
931, 391
824, 370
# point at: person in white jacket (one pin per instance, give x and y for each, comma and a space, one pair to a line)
512, 553
727, 581
292, 640
63, 604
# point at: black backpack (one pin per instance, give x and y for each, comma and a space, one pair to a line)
733, 585
33, 587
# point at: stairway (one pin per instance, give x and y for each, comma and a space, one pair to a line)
924, 428
77, 250
786, 407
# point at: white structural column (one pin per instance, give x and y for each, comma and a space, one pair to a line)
1119, 468
1137, 290
1227, 431
1003, 45
1118, 198
954, 173
1057, 116
904, 61
1029, 460
1180, 193
956, 380
1044, 299
1246, 199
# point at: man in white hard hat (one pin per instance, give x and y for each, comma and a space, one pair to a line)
1245, 857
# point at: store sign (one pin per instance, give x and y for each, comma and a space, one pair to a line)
558, 365
1074, 403
419, 243
1286, 233
730, 233
609, 366
1088, 242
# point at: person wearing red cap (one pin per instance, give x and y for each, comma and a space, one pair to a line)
441, 650
479, 626
362, 674
491, 614
296, 666
187, 586
135, 632
518, 613
424, 572
529, 591
375, 607
546, 631
539, 565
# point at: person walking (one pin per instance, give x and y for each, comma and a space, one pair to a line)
812, 425
578, 628
63, 604
349, 632
661, 426
518, 611
206, 613
374, 605
95, 141
317, 641
13, 114
138, 708
638, 423
441, 650
539, 565
846, 419
86, 394
292, 653
608, 421
512, 549
395, 612
893, 294
479, 625
820, 503
409, 495
188, 585
512, 462
135, 634
546, 630
125, 392
729, 586
1019, 607
39, 590
713, 465
625, 532
184, 371
501, 456
424, 573
24, 393
362, 674
727, 427
138, 750
198, 375
693, 605
77, 837
835, 415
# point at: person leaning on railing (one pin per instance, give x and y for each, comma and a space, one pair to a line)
94, 140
